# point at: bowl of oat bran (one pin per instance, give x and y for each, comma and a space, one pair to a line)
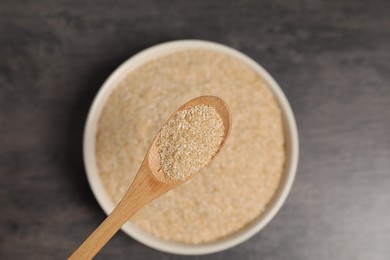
242, 189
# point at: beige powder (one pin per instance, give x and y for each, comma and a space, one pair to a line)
188, 141
239, 183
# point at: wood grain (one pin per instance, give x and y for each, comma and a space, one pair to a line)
330, 57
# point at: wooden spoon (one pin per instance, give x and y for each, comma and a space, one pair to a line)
149, 184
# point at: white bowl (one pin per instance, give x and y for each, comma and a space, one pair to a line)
105, 201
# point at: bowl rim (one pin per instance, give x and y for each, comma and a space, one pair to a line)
290, 128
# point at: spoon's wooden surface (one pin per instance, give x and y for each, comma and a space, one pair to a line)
149, 184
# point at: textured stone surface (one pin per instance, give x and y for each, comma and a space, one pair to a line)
332, 59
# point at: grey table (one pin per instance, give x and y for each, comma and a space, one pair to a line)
332, 59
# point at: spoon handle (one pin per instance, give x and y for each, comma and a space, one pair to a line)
95, 242
143, 190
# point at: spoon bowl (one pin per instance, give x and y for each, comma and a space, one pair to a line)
222, 109
149, 183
